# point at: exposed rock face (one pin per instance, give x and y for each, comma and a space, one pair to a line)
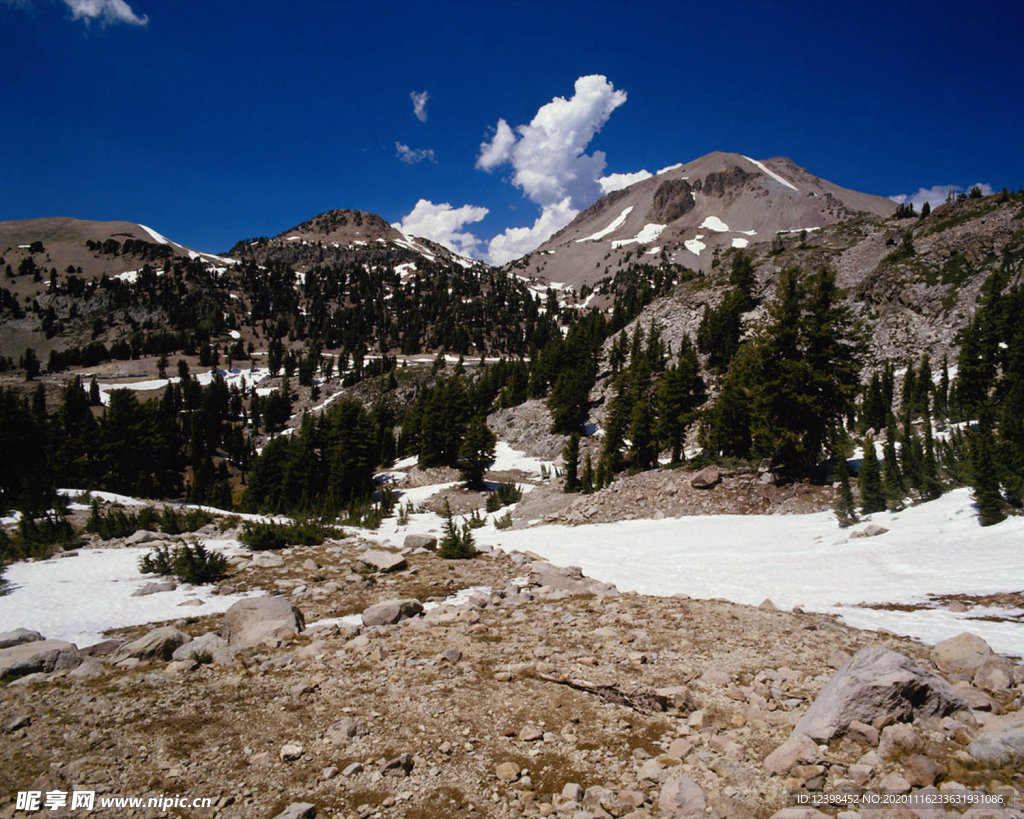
249, 623
18, 636
158, 644
674, 198
877, 683
569, 579
391, 611
38, 656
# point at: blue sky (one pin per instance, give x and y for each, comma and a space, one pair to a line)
217, 121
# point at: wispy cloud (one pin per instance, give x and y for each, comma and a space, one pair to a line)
419, 104
549, 161
938, 194
413, 155
106, 11
443, 224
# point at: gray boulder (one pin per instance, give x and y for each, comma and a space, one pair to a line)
877, 683
569, 579
1001, 742
155, 588
159, 644
963, 654
298, 810
261, 621
209, 643
428, 542
798, 748
391, 611
38, 657
708, 477
144, 536
382, 561
18, 636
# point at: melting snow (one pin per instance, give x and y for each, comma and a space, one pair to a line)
161, 239
654, 251
695, 245
615, 225
737, 242
772, 174
715, 224
647, 234
745, 558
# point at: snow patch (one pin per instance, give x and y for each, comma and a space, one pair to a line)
158, 237
715, 224
740, 242
772, 174
648, 233
668, 168
615, 225
695, 245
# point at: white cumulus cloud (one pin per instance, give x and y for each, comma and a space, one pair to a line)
550, 163
938, 194
419, 104
443, 224
107, 11
618, 181
413, 155
516, 242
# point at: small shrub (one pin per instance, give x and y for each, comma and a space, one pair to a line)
201, 657
505, 495
474, 521
504, 522
455, 545
261, 537
189, 564
493, 502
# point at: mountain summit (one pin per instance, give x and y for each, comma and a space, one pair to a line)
693, 211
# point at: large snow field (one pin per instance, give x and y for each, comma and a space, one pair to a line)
78, 598
935, 548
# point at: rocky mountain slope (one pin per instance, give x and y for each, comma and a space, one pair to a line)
692, 212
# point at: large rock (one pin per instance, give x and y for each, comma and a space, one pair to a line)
17, 637
708, 477
210, 643
877, 684
569, 579
158, 644
261, 620
38, 656
144, 536
391, 611
298, 810
962, 654
682, 798
155, 588
421, 542
383, 561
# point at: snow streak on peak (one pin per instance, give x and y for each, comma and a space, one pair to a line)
161, 239
772, 174
615, 225
668, 168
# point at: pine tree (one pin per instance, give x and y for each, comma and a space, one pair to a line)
984, 479
892, 477
571, 458
587, 480
477, 452
455, 544
869, 478
94, 392
845, 509
930, 488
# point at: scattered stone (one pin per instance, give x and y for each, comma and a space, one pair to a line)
343, 730
682, 798
708, 477
957, 606
530, 733
863, 733
38, 657
962, 654
261, 620
298, 810
9, 639
428, 542
389, 612
353, 769
877, 684
898, 740
572, 792
797, 749
144, 536
399, 766
507, 772
921, 772
895, 783
999, 748
158, 644
767, 605
291, 752
17, 723
383, 561
994, 674
267, 560
210, 643
452, 655
568, 579
838, 659
90, 669
799, 813
675, 698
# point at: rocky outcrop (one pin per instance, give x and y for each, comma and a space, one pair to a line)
381, 561
159, 644
877, 684
38, 656
389, 612
568, 579
17, 637
962, 654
